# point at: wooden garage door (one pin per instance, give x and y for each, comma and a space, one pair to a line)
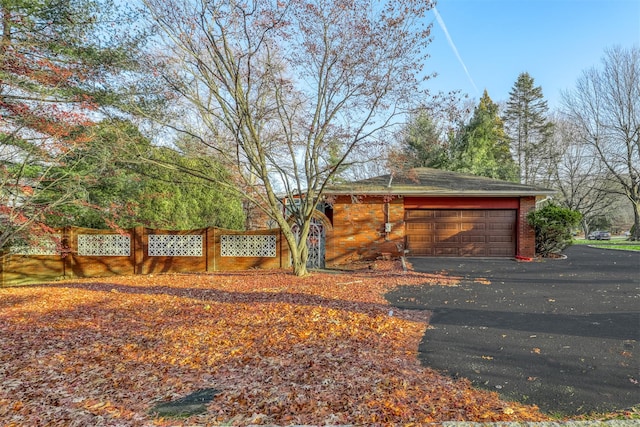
461, 232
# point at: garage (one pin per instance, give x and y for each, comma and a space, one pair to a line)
430, 212
461, 232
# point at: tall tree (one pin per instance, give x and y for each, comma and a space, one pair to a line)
529, 129
59, 62
166, 199
120, 191
278, 83
578, 175
605, 105
481, 147
423, 144
425, 139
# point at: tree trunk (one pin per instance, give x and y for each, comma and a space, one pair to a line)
635, 232
585, 226
299, 262
298, 250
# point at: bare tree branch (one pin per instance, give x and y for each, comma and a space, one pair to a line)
277, 82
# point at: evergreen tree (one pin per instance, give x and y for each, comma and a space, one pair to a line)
553, 225
422, 144
529, 130
178, 201
119, 190
481, 147
61, 61
334, 160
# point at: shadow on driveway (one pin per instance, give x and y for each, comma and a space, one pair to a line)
560, 334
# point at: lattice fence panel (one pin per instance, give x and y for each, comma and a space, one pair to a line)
239, 245
175, 245
46, 245
104, 245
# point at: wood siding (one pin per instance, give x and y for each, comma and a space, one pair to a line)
461, 232
137, 257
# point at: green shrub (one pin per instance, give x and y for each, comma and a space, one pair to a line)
552, 225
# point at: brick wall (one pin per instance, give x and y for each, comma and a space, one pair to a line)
359, 229
526, 234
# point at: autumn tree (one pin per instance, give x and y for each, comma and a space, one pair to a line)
605, 105
59, 62
529, 130
278, 85
481, 147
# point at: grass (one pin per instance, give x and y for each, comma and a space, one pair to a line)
622, 247
632, 413
618, 243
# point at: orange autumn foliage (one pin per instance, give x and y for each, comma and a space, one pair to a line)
280, 349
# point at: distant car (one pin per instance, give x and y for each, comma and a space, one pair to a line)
599, 235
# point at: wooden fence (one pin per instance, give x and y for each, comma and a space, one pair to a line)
82, 252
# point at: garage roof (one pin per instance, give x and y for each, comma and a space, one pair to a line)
436, 182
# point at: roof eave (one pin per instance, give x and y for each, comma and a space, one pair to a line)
452, 193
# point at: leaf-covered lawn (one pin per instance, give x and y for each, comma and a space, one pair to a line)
280, 349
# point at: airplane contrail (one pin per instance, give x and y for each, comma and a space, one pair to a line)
453, 46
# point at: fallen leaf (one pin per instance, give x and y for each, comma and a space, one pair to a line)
281, 350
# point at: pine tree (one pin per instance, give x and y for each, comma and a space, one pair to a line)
482, 147
60, 62
422, 144
529, 129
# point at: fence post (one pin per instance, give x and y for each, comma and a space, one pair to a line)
137, 237
211, 249
3, 256
65, 249
216, 246
68, 235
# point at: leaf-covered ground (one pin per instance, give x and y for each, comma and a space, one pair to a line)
280, 349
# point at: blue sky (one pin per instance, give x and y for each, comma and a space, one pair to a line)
553, 40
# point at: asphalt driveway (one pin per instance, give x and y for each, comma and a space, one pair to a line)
561, 334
